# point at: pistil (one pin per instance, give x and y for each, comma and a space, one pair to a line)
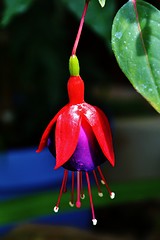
78, 202
94, 220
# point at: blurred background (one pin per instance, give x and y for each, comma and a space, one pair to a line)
36, 39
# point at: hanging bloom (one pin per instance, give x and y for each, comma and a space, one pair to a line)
79, 137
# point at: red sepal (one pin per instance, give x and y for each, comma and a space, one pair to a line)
101, 128
46, 132
66, 134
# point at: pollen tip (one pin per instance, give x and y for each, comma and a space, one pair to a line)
71, 204
37, 151
112, 195
94, 221
83, 196
102, 181
100, 194
56, 209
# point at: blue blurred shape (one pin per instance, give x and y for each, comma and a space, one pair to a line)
25, 170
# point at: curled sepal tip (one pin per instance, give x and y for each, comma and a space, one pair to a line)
74, 66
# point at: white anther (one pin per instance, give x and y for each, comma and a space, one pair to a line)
102, 181
100, 194
56, 209
112, 195
94, 221
83, 196
71, 204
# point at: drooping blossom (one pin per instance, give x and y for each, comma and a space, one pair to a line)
80, 139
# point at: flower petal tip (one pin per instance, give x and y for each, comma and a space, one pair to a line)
57, 166
112, 160
40, 148
113, 163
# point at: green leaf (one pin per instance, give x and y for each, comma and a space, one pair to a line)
13, 7
102, 2
136, 45
98, 19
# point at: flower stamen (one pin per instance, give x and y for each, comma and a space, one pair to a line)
94, 220
71, 203
98, 185
65, 176
81, 182
65, 184
103, 181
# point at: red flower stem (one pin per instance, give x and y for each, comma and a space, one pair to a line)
78, 202
80, 28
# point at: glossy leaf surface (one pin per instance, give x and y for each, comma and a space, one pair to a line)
135, 42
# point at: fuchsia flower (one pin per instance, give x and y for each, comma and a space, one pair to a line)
79, 137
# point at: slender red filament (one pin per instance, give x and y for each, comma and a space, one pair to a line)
80, 192
65, 185
104, 180
78, 202
65, 176
81, 186
91, 201
97, 183
72, 192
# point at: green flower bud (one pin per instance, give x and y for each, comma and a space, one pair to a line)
74, 66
